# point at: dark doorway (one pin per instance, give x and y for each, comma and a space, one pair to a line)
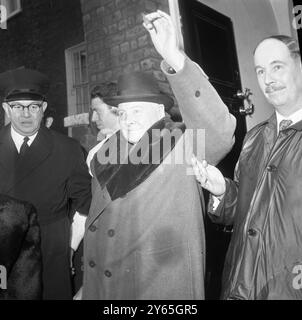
209, 40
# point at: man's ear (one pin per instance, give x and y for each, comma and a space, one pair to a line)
44, 106
6, 108
114, 110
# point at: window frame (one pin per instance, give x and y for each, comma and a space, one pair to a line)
70, 79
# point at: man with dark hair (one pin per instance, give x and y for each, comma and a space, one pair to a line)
264, 202
104, 117
104, 122
44, 168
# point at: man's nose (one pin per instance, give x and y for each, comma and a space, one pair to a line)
268, 78
26, 112
129, 120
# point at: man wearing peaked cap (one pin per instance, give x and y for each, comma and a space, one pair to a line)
24, 83
45, 168
144, 234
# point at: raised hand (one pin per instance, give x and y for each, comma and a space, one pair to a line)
163, 35
209, 177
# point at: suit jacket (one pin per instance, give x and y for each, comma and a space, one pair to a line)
20, 251
53, 176
150, 243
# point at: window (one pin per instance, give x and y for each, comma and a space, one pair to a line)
12, 7
77, 79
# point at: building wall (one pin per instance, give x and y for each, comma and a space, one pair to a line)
117, 43
37, 38
116, 40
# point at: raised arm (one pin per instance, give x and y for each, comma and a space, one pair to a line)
199, 103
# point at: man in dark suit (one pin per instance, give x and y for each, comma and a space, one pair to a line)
20, 251
45, 168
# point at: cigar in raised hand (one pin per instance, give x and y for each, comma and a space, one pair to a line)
148, 22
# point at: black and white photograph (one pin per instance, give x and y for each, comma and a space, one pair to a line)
150, 153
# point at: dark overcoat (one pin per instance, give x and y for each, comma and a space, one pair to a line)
263, 203
20, 250
53, 176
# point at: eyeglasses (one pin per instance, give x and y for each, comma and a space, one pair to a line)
134, 113
32, 108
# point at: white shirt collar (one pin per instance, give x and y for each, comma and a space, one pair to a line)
295, 117
19, 139
95, 149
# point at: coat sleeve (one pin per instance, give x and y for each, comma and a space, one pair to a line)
22, 250
225, 212
202, 108
79, 184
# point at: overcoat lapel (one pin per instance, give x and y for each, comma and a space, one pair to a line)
98, 205
8, 157
38, 152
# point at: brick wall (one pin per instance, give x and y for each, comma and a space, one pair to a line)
115, 38
117, 42
37, 38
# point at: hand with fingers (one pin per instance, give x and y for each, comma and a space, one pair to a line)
163, 35
209, 177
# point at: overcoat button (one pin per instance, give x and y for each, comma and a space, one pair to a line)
252, 232
111, 233
92, 264
108, 273
92, 228
271, 168
197, 93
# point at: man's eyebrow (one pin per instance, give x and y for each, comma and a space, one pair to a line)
277, 61
271, 63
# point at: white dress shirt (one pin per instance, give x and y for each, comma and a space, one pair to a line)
19, 139
95, 149
295, 117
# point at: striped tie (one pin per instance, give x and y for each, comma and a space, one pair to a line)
284, 124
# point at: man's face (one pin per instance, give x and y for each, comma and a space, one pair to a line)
104, 117
279, 76
137, 117
26, 122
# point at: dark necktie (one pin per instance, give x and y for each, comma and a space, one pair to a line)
284, 124
24, 146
